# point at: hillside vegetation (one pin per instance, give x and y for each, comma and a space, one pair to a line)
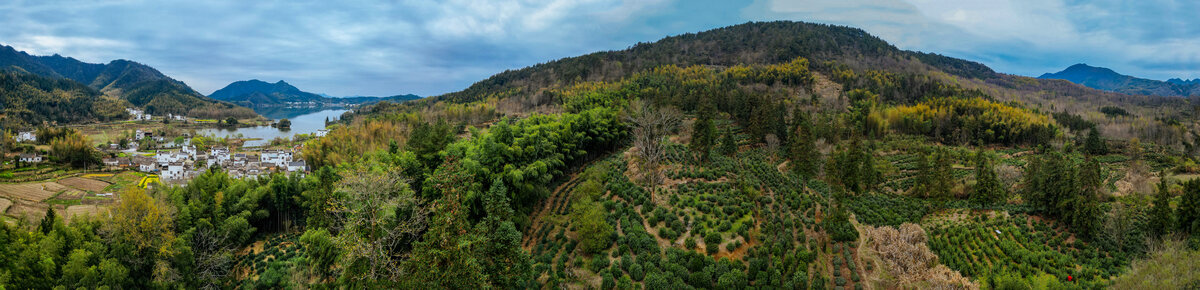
778, 155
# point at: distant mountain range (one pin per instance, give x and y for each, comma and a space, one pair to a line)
1109, 80
139, 85
256, 93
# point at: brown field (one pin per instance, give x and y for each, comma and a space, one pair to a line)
70, 194
82, 210
30, 211
85, 184
4, 204
31, 191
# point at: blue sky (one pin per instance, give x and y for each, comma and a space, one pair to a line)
434, 47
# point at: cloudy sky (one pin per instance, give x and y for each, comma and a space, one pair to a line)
433, 47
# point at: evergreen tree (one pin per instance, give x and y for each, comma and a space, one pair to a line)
1085, 214
988, 189
1187, 214
47, 223
704, 132
507, 266
445, 256
1094, 144
1160, 215
728, 143
803, 149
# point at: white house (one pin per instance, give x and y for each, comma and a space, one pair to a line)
188, 149
139, 134
276, 158
111, 162
26, 136
164, 158
218, 155
31, 158
146, 165
174, 171
295, 166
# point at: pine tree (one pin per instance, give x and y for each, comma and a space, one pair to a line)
988, 189
704, 132
47, 223
1094, 144
803, 149
1187, 214
1160, 215
728, 143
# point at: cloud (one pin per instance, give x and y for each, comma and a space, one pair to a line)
1157, 39
434, 47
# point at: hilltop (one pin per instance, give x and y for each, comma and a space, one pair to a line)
141, 86
1109, 80
256, 93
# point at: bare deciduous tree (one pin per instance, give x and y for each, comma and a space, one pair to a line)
651, 126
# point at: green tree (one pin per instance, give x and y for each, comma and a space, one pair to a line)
988, 188
284, 124
806, 160
1160, 214
321, 250
592, 228
506, 264
427, 140
445, 257
1187, 214
728, 143
231, 121
48, 221
1094, 144
704, 132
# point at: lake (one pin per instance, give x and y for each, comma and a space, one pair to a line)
303, 122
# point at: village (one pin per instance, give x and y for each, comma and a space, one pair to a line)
176, 160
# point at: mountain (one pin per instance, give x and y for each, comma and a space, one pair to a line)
28, 99
259, 93
256, 93
140, 85
1109, 80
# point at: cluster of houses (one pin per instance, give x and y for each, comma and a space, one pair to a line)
189, 162
140, 115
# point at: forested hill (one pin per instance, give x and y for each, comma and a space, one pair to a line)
140, 85
28, 100
1109, 80
746, 44
255, 93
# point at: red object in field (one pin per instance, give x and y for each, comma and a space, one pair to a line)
1069, 278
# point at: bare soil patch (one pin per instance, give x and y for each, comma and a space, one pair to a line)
82, 210
4, 204
31, 191
86, 184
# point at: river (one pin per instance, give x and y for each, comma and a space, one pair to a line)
303, 122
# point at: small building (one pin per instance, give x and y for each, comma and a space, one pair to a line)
111, 162
124, 163
297, 166
175, 170
165, 158
27, 136
188, 149
145, 164
139, 134
31, 158
276, 158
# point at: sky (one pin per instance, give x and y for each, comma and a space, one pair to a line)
428, 48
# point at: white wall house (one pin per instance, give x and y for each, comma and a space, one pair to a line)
276, 158
297, 166
174, 171
165, 158
31, 158
27, 136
